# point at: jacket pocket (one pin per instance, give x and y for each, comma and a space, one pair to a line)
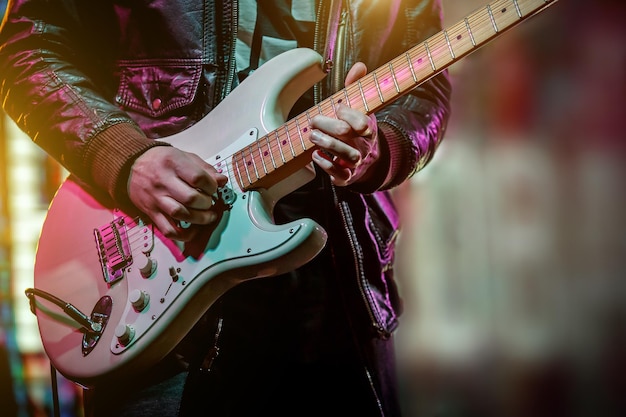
155, 89
382, 224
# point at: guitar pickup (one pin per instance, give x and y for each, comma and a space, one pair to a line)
113, 249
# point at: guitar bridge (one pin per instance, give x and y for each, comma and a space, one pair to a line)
113, 249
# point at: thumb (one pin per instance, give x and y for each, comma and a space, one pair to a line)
357, 71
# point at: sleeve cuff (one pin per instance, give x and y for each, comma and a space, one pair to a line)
394, 148
110, 155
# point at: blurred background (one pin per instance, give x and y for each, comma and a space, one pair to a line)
512, 258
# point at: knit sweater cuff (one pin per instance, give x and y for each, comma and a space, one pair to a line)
400, 151
110, 155
391, 170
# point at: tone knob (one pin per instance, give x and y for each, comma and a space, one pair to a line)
148, 268
124, 333
139, 299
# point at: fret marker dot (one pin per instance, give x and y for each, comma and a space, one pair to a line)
284, 142
419, 61
459, 37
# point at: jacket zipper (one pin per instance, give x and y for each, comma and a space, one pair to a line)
338, 70
376, 323
233, 43
356, 251
317, 95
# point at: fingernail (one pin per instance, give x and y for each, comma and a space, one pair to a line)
316, 137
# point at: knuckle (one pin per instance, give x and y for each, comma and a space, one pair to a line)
343, 129
169, 232
178, 211
197, 178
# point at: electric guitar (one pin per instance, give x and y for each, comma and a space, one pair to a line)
113, 296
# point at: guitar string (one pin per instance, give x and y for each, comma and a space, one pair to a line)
253, 162
481, 27
481, 24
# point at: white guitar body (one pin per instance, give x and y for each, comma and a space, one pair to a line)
166, 282
145, 292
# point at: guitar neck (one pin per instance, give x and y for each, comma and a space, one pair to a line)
288, 148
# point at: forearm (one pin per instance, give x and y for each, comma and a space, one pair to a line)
413, 128
51, 87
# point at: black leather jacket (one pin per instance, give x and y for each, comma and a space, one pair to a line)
85, 78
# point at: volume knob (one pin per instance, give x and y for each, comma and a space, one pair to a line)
139, 299
148, 268
124, 333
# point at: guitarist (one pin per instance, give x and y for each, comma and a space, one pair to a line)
96, 84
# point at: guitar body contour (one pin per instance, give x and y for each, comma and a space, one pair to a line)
149, 291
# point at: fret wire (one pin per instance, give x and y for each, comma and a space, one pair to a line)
493, 20
393, 77
373, 88
238, 170
328, 108
245, 166
440, 50
363, 96
258, 145
280, 147
482, 19
469, 30
300, 132
235, 168
519, 11
377, 85
402, 73
293, 151
332, 105
345, 93
353, 89
445, 32
457, 37
366, 88
291, 123
408, 58
308, 119
289, 140
256, 171
506, 18
386, 85
432, 63
271, 151
320, 108
336, 100
426, 69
